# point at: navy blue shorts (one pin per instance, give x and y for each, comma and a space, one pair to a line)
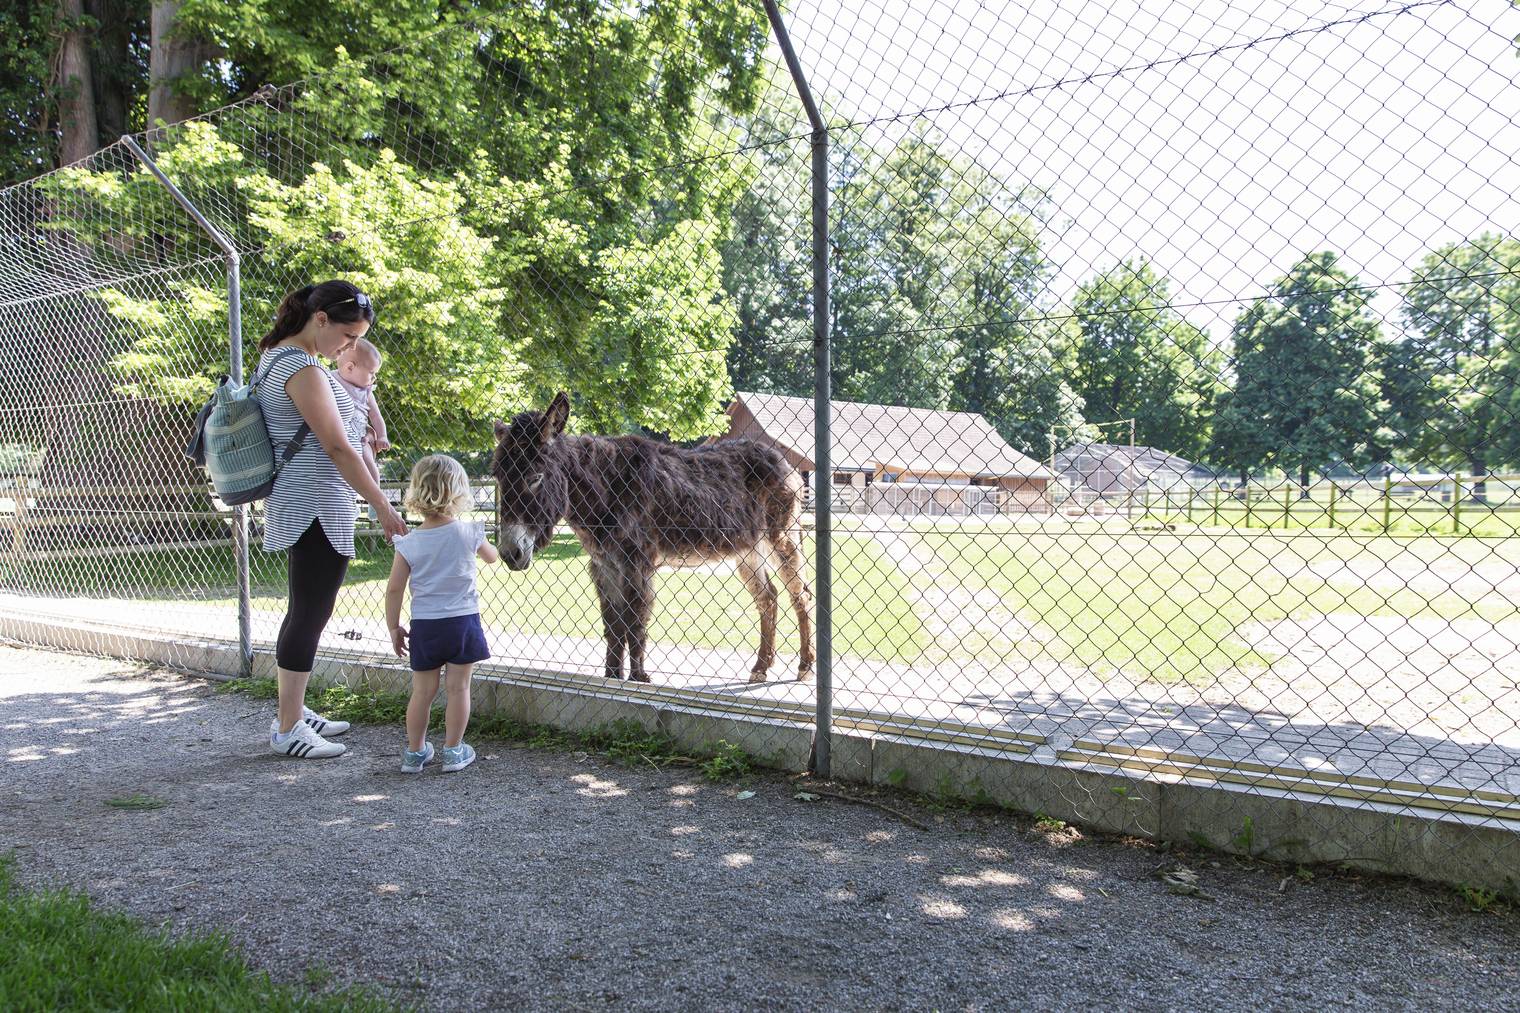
457, 640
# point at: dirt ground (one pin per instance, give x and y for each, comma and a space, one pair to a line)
545, 879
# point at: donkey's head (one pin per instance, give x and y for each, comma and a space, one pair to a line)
530, 482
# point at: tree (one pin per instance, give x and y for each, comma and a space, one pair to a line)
1136, 357
1008, 362
71, 76
886, 211
511, 254
1451, 377
1307, 390
28, 96
76, 94
767, 254
177, 54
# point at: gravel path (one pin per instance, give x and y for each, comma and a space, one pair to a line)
553, 880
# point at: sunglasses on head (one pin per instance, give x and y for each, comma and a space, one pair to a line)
360, 299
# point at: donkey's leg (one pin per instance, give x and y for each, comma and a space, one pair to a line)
756, 578
609, 594
638, 603
789, 559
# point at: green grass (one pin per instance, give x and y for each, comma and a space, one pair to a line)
59, 951
1170, 606
136, 803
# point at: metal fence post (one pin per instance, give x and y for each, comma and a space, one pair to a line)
822, 469
235, 373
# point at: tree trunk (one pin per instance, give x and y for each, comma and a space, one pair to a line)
1303, 481
1480, 487
173, 56
76, 91
112, 58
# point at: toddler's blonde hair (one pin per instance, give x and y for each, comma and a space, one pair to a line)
439, 488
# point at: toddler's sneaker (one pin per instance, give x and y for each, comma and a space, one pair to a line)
412, 763
302, 742
321, 725
457, 757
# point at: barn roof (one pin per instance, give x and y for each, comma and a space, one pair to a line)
911, 440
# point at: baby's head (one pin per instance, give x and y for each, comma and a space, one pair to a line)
360, 364
439, 488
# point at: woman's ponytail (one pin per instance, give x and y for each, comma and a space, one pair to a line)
289, 318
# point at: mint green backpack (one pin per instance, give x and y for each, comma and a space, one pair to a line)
232, 442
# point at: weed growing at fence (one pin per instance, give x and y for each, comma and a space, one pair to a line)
62, 952
727, 763
1481, 901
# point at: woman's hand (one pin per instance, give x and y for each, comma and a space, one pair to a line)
398, 641
392, 523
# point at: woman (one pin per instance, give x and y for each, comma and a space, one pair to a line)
310, 513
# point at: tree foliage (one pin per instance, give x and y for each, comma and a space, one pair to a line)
1307, 387
535, 200
1450, 378
1136, 357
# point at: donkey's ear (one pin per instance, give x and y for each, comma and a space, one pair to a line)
501, 428
555, 417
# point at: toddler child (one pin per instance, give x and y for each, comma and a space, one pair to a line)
357, 369
438, 560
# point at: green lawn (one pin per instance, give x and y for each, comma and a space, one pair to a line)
59, 952
1169, 605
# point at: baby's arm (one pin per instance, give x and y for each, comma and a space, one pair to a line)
377, 423
394, 590
369, 463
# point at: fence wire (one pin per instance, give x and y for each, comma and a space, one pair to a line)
1173, 374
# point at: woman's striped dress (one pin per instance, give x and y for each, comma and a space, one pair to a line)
309, 487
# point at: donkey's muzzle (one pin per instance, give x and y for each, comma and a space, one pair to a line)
517, 548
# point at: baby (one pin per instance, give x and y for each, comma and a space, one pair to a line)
357, 369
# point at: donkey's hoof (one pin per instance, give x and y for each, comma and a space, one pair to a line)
805, 673
641, 677
758, 675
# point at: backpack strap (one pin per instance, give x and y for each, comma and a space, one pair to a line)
295, 444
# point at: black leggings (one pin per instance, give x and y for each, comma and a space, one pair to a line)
316, 573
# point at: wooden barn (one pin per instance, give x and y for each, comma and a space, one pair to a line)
891, 460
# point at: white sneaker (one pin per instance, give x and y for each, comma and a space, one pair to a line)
321, 725
303, 742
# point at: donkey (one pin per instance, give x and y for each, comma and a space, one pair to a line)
636, 505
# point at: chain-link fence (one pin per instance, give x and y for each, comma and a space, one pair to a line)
1170, 356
